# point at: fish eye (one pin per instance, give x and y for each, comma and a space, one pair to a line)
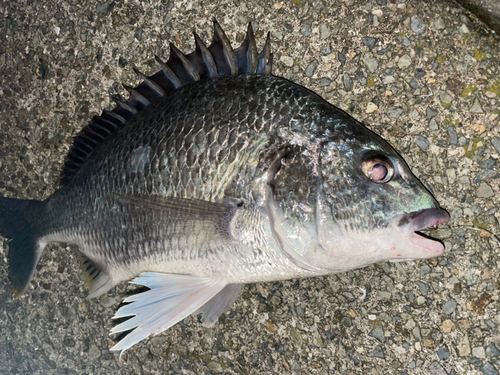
378, 168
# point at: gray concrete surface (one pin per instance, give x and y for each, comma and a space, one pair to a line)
422, 74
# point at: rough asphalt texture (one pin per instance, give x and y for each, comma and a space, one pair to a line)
423, 74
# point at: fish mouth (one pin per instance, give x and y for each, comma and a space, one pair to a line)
412, 224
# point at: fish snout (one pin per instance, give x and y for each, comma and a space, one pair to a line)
420, 246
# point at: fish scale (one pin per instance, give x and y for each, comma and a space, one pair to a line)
215, 173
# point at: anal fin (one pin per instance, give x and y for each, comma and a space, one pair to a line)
219, 304
96, 280
170, 299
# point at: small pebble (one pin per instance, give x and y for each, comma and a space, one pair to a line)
443, 353
464, 347
370, 108
419, 73
447, 326
378, 333
445, 98
464, 180
138, 34
341, 59
424, 289
346, 80
404, 62
476, 107
275, 300
416, 333
496, 143
430, 113
311, 68
484, 190
439, 24
492, 350
384, 50
484, 175
424, 270
287, 61
406, 42
94, 352
489, 369
422, 142
346, 321
413, 84
370, 63
369, 42
122, 63
388, 79
417, 25
450, 306
479, 352
325, 50
306, 30
453, 135
394, 112
436, 369
476, 362
104, 8
325, 82
377, 352
324, 31
215, 367
107, 301
410, 324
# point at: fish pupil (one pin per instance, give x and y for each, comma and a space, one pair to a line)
379, 172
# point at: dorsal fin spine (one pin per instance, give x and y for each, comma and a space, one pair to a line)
150, 83
203, 59
115, 115
101, 121
246, 54
222, 52
181, 66
125, 106
136, 97
266, 57
169, 74
205, 62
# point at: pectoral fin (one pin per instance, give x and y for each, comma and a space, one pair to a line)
211, 219
219, 304
170, 299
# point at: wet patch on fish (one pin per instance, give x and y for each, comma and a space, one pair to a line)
140, 158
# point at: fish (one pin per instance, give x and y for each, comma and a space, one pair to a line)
215, 173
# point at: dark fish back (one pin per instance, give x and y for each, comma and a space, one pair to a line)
217, 60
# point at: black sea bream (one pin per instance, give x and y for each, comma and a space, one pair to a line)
215, 173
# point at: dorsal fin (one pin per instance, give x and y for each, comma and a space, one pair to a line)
204, 62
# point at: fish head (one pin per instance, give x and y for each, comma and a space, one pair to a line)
370, 206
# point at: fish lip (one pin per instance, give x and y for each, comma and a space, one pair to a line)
411, 223
423, 219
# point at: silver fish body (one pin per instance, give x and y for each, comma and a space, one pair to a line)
225, 180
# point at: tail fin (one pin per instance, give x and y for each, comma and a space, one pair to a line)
19, 220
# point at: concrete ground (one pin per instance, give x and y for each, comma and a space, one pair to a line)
423, 74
